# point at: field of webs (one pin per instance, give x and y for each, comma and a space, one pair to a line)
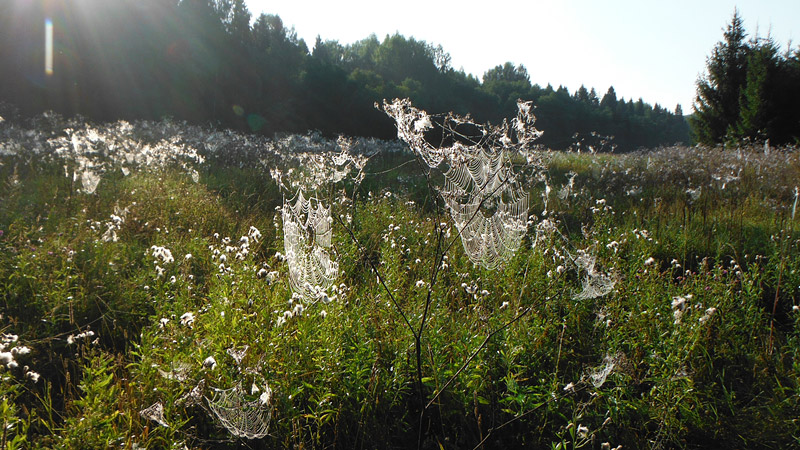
172, 286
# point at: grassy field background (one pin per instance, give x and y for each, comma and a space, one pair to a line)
694, 343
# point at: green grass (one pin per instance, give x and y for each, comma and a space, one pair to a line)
511, 367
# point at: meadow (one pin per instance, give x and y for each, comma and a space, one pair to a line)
149, 297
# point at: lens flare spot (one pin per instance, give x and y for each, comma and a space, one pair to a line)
238, 110
48, 46
256, 122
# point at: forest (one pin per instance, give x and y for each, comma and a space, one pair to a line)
209, 62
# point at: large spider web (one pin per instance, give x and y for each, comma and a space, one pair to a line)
242, 418
307, 240
486, 202
488, 207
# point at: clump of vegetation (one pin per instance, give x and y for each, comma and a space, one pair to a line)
652, 300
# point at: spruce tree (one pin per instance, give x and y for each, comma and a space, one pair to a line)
718, 91
754, 102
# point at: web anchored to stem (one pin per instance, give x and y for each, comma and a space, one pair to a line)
247, 419
307, 241
486, 201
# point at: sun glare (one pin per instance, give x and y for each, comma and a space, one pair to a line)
48, 46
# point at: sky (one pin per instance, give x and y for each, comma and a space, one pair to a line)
655, 50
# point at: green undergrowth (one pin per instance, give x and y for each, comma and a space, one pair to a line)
694, 346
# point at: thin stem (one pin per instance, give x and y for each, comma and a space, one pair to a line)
378, 274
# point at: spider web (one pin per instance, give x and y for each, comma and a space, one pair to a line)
307, 240
155, 412
488, 207
595, 283
242, 418
598, 375
485, 200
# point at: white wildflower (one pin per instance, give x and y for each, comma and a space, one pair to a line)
708, 314
187, 319
21, 350
6, 358
254, 233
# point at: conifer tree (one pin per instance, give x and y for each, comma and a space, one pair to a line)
755, 107
718, 91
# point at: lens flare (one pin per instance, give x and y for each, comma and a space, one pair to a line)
48, 46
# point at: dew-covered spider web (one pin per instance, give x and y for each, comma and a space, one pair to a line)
155, 412
488, 207
307, 242
595, 283
242, 418
487, 203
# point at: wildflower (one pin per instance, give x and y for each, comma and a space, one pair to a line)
649, 261
678, 307
583, 431
470, 289
21, 350
162, 253
570, 387
323, 297
708, 314
420, 283
187, 319
265, 397
33, 376
187, 257
254, 233
6, 358
163, 322
210, 363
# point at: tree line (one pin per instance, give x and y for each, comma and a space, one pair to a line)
750, 91
208, 61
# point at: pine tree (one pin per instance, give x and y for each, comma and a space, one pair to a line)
718, 92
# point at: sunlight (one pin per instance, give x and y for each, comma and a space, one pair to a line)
48, 46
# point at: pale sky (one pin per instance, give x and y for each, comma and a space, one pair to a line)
650, 49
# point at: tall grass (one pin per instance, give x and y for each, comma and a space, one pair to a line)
684, 352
